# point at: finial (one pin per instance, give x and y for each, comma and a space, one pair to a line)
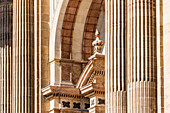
97, 43
97, 34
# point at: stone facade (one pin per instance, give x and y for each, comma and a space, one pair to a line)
51, 61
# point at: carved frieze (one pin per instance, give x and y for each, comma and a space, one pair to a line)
92, 102
87, 106
76, 105
66, 104
101, 101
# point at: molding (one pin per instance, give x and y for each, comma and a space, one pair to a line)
68, 61
94, 64
57, 91
92, 89
67, 110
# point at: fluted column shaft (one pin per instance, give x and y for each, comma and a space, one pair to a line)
141, 67
5, 56
23, 59
115, 87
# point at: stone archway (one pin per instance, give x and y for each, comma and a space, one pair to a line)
71, 37
66, 62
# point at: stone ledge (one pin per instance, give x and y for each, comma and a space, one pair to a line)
69, 61
68, 111
92, 89
57, 91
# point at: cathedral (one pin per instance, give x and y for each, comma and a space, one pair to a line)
84, 56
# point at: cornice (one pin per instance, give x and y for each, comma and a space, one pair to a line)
92, 89
69, 61
57, 91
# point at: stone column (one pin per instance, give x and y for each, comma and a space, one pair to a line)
115, 90
23, 56
141, 55
164, 47
5, 56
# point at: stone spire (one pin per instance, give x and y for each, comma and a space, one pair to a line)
97, 43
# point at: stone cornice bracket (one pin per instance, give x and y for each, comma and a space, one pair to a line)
97, 43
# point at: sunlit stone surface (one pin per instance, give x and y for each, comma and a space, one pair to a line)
51, 61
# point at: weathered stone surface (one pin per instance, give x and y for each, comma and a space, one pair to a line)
47, 44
